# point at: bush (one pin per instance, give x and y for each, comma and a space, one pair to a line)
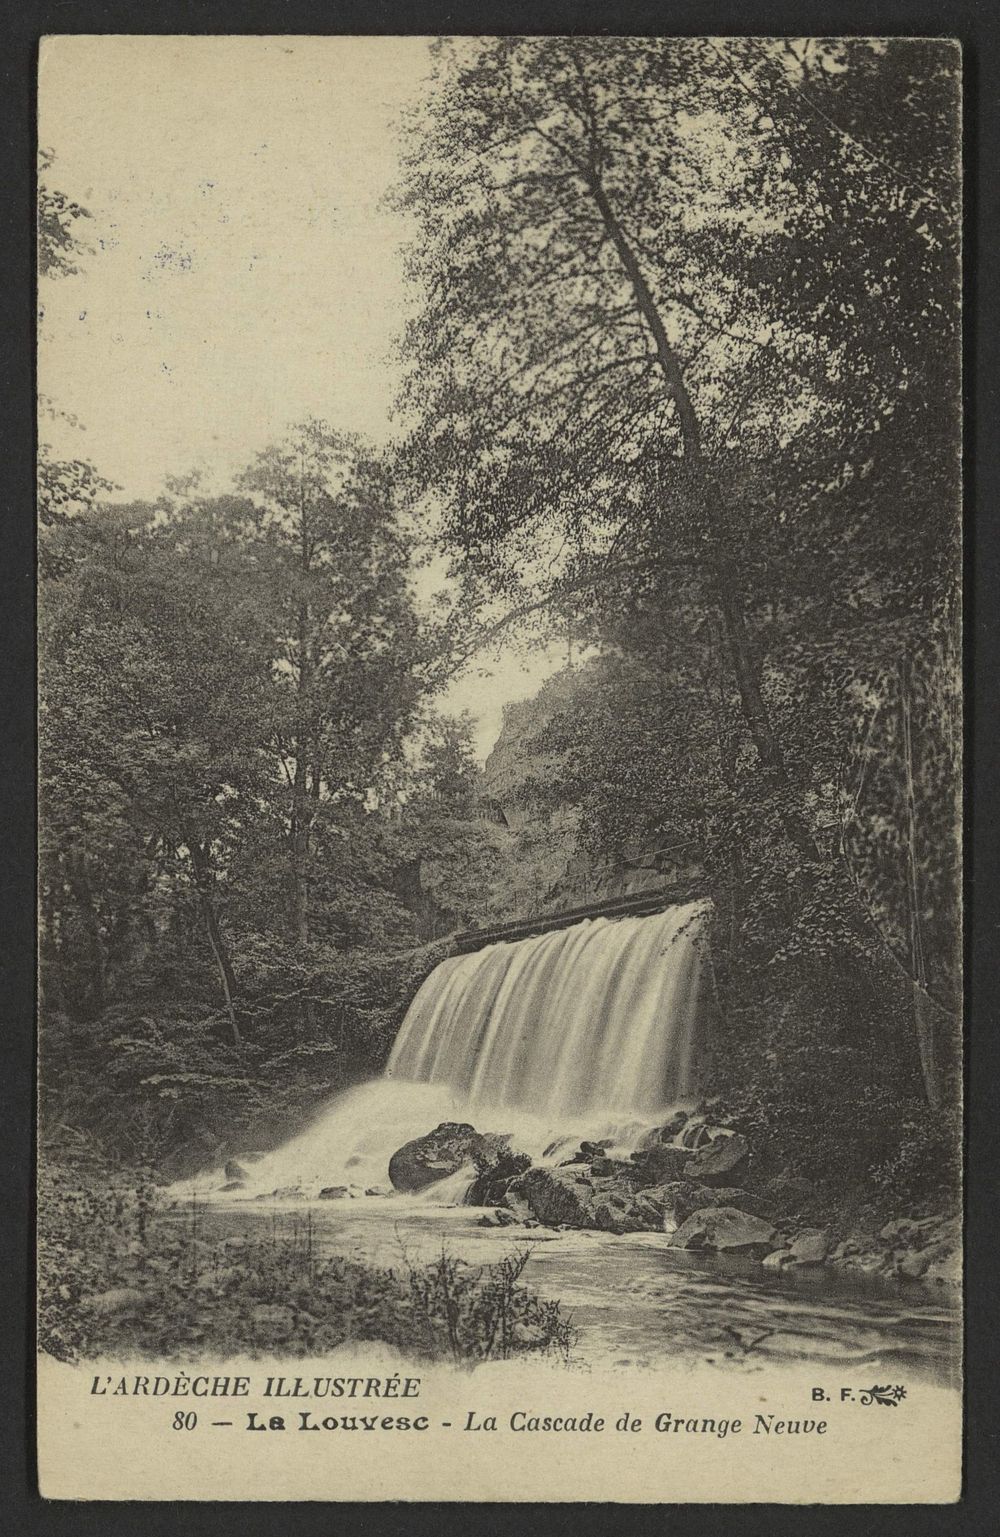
926, 1164
827, 1100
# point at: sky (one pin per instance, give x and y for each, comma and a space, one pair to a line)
245, 271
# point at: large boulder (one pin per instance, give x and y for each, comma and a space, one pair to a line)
557, 1197
675, 1200
434, 1156
567, 1196
808, 1247
490, 1185
718, 1160
659, 1164
725, 1229
616, 1211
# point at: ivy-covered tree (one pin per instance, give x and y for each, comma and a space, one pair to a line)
685, 376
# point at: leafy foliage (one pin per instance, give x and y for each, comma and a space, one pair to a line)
122, 1274
59, 241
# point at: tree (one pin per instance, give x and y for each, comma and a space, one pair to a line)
687, 368
64, 487
59, 242
582, 359
449, 853
332, 583
173, 704
153, 687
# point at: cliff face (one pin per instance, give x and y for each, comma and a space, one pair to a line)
549, 866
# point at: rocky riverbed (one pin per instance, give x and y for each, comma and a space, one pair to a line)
703, 1187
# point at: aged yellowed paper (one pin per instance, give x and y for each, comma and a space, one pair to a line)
500, 765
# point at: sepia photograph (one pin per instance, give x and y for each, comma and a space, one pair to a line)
500, 767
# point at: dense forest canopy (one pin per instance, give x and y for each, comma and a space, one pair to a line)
682, 386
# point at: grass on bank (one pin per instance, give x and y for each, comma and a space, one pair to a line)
121, 1274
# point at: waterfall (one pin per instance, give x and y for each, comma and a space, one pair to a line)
601, 1016
588, 1031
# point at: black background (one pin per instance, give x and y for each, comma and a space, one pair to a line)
974, 23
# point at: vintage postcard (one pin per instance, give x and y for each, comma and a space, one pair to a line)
500, 767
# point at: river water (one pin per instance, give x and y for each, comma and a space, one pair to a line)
637, 1303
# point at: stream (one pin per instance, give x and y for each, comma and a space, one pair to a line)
637, 1303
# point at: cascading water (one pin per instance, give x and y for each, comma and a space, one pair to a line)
596, 1018
588, 1031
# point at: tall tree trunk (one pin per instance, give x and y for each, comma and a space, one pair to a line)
79, 881
924, 1010
300, 837
303, 792
722, 567
216, 939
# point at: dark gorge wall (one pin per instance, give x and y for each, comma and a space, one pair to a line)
551, 865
